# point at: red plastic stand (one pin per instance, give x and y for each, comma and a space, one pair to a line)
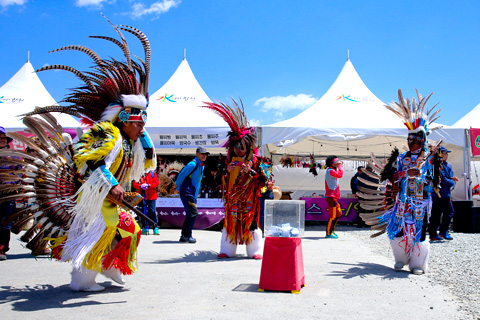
282, 265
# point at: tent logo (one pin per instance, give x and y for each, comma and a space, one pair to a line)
477, 142
343, 97
167, 97
10, 100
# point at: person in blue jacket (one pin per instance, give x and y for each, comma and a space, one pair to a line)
188, 183
442, 204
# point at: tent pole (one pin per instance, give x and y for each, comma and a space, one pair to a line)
259, 137
467, 165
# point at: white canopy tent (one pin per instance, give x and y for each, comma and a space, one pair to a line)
175, 120
471, 120
348, 121
21, 94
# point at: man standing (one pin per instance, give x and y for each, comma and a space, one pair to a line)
147, 187
332, 193
442, 204
6, 207
354, 181
188, 183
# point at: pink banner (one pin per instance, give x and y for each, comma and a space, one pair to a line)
316, 209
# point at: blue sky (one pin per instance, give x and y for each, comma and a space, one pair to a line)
278, 56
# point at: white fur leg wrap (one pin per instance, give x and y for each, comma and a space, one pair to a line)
230, 249
398, 248
256, 246
419, 258
82, 279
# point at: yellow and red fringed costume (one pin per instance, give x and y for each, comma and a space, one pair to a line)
242, 183
242, 202
70, 184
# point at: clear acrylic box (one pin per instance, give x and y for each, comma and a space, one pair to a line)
284, 218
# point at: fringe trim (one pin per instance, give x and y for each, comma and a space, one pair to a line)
79, 243
138, 168
124, 256
56, 245
93, 260
89, 205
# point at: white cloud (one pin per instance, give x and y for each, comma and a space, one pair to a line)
278, 116
282, 104
6, 3
87, 3
157, 8
254, 122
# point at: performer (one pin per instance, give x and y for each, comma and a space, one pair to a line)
332, 193
242, 184
77, 189
404, 208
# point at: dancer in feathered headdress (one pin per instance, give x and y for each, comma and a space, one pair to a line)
243, 181
403, 209
77, 188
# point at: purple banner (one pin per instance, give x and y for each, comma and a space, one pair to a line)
316, 209
171, 211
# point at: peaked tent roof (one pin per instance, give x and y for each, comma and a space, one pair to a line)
176, 104
471, 119
347, 112
21, 94
347, 104
175, 119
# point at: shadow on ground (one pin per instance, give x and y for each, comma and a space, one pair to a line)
45, 297
364, 269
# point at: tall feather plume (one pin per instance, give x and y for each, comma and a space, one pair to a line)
413, 113
80, 75
126, 50
108, 80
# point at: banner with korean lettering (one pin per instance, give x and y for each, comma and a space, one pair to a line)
475, 141
188, 137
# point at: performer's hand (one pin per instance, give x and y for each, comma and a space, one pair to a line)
144, 186
247, 166
433, 149
117, 192
231, 166
455, 179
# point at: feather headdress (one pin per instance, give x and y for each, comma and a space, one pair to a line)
415, 115
241, 131
114, 90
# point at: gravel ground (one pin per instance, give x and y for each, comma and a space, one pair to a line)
453, 264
